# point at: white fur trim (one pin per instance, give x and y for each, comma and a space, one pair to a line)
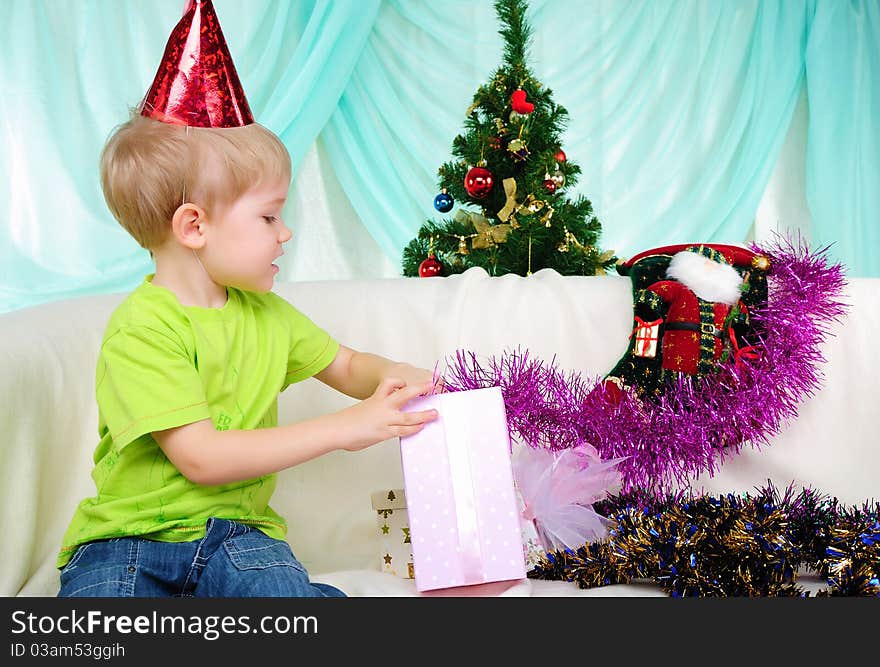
710, 280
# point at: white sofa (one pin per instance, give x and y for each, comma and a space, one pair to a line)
48, 418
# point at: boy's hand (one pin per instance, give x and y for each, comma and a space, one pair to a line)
381, 416
412, 375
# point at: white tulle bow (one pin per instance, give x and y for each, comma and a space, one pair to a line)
558, 490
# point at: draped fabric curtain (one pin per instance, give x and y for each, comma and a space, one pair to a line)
842, 62
678, 110
70, 71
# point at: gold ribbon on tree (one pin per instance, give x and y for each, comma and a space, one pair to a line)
528, 207
532, 205
509, 207
488, 235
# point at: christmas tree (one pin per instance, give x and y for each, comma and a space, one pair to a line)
511, 175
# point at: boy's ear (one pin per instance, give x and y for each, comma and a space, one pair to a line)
187, 226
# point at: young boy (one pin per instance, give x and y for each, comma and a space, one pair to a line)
193, 360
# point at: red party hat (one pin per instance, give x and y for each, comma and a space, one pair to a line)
197, 84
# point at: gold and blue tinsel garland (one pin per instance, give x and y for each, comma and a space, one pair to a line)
729, 545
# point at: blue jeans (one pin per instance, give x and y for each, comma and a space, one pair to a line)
231, 560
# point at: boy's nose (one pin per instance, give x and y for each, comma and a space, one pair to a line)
285, 235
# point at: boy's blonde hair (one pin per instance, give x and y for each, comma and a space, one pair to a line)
149, 167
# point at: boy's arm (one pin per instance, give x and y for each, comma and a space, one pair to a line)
207, 456
357, 374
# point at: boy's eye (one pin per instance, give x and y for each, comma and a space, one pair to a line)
270, 218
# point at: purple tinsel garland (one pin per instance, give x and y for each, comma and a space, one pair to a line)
695, 424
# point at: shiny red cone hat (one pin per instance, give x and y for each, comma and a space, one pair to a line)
197, 84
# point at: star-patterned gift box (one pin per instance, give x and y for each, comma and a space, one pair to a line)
393, 526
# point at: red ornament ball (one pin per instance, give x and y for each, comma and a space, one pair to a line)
478, 182
550, 185
560, 156
430, 267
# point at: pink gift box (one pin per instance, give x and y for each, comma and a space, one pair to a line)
463, 513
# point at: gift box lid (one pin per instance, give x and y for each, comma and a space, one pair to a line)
389, 499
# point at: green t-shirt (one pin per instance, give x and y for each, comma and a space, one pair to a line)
163, 365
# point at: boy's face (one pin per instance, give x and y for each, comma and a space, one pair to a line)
244, 239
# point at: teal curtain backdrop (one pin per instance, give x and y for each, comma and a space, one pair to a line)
678, 111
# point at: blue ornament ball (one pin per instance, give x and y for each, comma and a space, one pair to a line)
444, 202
